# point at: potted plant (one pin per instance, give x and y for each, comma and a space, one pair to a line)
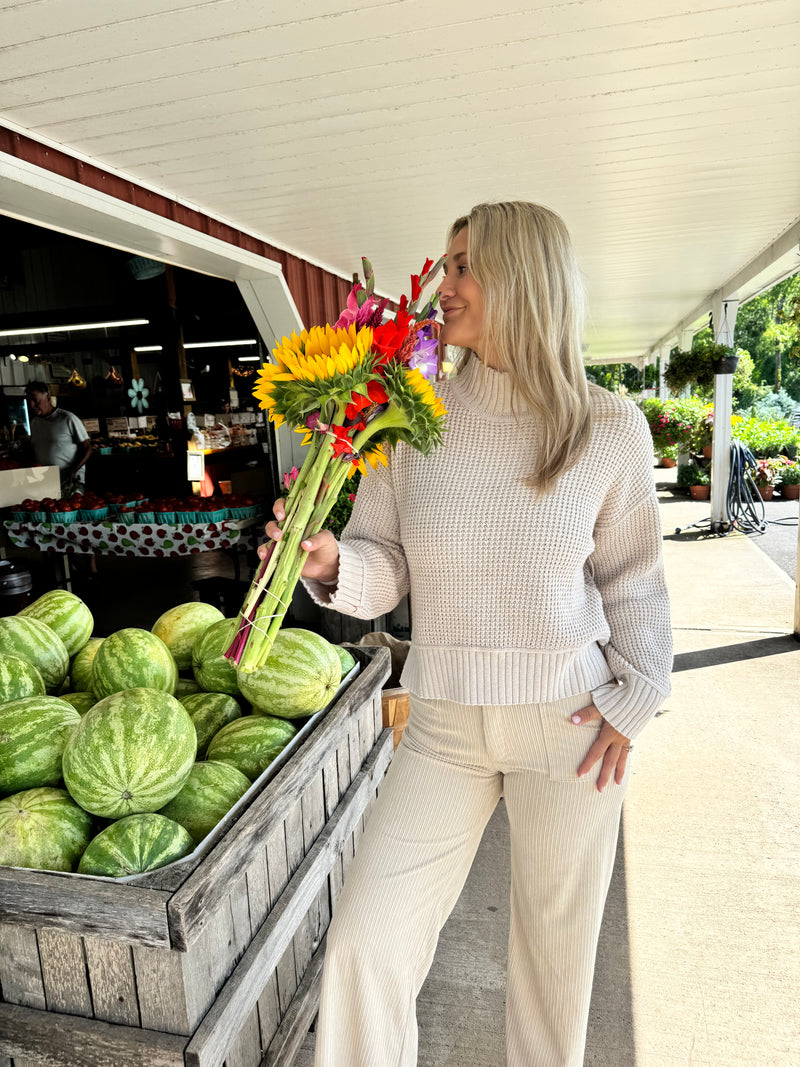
699, 366
765, 475
696, 480
790, 481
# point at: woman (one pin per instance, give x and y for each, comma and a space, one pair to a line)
531, 545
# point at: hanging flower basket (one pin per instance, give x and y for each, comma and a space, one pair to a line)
725, 364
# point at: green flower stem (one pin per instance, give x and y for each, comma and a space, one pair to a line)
275, 600
391, 419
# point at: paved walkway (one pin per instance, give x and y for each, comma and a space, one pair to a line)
699, 957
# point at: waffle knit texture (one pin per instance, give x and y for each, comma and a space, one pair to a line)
517, 597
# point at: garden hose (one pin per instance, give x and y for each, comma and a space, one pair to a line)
744, 504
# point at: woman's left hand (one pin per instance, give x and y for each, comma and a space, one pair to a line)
611, 747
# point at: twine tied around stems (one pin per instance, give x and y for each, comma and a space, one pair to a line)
252, 623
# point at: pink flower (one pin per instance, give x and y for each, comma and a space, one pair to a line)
352, 498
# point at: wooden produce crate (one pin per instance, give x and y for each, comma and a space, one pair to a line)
215, 964
396, 705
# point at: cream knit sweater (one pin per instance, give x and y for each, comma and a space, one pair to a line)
514, 599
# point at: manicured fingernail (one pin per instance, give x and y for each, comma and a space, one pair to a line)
576, 719
305, 544
279, 515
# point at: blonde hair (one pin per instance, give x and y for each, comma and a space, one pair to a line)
520, 255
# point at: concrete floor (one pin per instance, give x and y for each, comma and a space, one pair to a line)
699, 960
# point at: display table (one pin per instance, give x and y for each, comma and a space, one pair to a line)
119, 539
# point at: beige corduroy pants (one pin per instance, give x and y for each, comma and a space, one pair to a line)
452, 766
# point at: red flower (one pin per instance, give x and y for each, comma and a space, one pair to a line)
416, 288
376, 394
390, 337
342, 444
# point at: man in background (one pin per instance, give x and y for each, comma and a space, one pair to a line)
58, 439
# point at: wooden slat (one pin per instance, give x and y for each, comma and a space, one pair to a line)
269, 1010
84, 906
161, 990
226, 1017
246, 1049
258, 888
51, 1039
66, 983
240, 920
111, 981
295, 851
192, 904
291, 1034
20, 969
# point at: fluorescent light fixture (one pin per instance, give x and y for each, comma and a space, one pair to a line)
149, 348
218, 344
41, 330
249, 359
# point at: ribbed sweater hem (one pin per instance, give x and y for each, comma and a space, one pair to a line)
497, 676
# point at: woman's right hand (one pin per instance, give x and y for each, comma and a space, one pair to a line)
323, 548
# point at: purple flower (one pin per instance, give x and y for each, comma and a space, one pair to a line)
425, 356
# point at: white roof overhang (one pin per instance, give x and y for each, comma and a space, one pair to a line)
667, 137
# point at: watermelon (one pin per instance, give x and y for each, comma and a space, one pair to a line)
133, 659
34, 641
80, 669
66, 615
82, 702
135, 844
209, 793
251, 743
346, 661
213, 672
300, 676
44, 829
33, 734
209, 712
181, 628
185, 686
19, 679
131, 753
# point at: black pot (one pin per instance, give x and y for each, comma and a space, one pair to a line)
16, 587
727, 365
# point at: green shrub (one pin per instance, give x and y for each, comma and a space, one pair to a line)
775, 406
791, 475
691, 474
766, 437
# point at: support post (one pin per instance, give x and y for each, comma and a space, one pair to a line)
797, 587
724, 315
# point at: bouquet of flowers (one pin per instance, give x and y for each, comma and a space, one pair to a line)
354, 389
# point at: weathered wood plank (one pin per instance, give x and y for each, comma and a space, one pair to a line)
330, 784
190, 906
291, 1034
258, 888
295, 851
246, 1049
240, 920
111, 981
161, 990
269, 1010
227, 1015
84, 906
278, 873
66, 983
51, 1039
20, 968
286, 977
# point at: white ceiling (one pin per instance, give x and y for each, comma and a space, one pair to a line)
667, 134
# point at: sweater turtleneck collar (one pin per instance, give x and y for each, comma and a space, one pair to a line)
487, 392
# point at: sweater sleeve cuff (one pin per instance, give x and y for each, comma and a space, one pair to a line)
628, 705
346, 596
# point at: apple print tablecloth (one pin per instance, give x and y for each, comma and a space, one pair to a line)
119, 539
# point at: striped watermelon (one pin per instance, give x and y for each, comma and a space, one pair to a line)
65, 614
80, 669
185, 686
214, 673
209, 712
346, 661
131, 753
133, 659
251, 743
181, 628
300, 676
18, 679
44, 829
209, 793
34, 641
135, 844
82, 702
33, 734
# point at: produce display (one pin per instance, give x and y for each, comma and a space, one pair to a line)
117, 744
35, 642
135, 507
133, 659
182, 627
19, 679
300, 674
